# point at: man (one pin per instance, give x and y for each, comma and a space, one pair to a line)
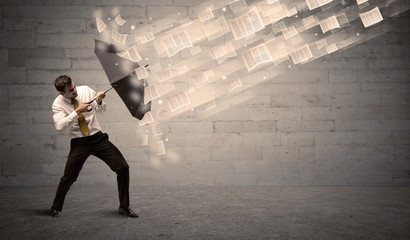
73, 109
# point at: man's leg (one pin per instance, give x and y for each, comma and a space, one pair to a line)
110, 154
76, 158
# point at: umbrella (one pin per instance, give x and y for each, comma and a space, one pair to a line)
120, 73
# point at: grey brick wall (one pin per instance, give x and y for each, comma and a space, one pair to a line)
342, 119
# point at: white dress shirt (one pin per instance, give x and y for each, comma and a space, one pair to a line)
65, 116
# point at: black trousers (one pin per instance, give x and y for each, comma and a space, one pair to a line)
99, 146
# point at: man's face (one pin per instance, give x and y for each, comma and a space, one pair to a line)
70, 92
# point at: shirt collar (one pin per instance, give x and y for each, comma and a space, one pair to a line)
67, 100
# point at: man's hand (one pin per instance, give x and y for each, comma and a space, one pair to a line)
83, 107
99, 97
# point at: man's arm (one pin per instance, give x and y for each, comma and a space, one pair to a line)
62, 120
98, 104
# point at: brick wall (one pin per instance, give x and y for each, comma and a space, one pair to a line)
342, 119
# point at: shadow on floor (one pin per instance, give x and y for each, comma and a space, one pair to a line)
39, 212
202, 213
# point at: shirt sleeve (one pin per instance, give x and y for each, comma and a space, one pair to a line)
61, 119
97, 107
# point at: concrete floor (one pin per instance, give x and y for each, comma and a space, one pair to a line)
199, 212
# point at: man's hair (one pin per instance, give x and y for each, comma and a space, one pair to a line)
61, 82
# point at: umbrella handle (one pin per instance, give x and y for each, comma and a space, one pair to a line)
108, 89
104, 93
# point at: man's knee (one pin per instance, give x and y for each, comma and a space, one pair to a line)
123, 167
69, 178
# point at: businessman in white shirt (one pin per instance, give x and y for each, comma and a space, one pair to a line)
74, 109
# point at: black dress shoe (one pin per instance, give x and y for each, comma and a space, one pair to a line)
53, 212
127, 211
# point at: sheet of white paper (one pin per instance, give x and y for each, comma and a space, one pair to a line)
160, 148
361, 1
371, 17
210, 105
206, 14
144, 140
178, 101
216, 28
238, 5
100, 24
155, 68
118, 37
329, 24
164, 75
131, 54
119, 20
289, 32
301, 54
141, 73
150, 93
156, 129
310, 21
143, 38
147, 119
203, 77
233, 84
247, 24
331, 48
312, 4
256, 56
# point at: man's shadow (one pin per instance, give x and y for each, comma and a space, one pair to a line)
41, 212
104, 213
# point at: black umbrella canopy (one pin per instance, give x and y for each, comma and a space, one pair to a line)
120, 73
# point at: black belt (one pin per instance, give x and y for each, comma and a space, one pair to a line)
88, 139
